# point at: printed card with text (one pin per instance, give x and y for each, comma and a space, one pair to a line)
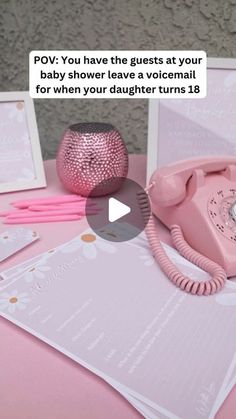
16, 162
15, 239
109, 307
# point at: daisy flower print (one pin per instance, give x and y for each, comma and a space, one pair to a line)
7, 237
13, 300
37, 271
16, 111
147, 257
89, 244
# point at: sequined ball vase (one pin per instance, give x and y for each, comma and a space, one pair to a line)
92, 159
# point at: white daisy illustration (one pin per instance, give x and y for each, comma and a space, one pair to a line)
147, 257
26, 174
89, 243
7, 237
11, 301
29, 234
37, 271
16, 111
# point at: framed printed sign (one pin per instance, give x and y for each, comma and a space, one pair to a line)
21, 164
186, 128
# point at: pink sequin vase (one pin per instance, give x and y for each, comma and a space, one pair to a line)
92, 159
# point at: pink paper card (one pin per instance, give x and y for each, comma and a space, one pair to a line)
15, 239
21, 164
187, 128
109, 307
16, 161
200, 128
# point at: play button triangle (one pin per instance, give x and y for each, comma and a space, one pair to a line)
117, 210
116, 217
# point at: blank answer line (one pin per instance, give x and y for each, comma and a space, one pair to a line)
72, 317
34, 310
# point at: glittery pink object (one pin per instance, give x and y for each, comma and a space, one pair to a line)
91, 153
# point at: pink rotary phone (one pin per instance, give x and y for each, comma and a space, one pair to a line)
196, 200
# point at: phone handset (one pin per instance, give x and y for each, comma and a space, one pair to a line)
171, 180
168, 187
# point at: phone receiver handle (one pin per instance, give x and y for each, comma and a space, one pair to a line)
171, 180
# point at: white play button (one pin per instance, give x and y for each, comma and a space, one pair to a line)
117, 217
117, 210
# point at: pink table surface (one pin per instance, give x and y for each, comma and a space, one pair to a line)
38, 382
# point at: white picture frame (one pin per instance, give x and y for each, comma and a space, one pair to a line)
21, 163
154, 113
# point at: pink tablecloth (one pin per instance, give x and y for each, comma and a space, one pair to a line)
36, 381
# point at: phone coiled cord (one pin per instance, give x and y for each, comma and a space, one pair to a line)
176, 277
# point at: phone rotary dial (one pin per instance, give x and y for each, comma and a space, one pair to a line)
222, 212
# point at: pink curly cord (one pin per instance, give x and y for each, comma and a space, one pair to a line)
186, 284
